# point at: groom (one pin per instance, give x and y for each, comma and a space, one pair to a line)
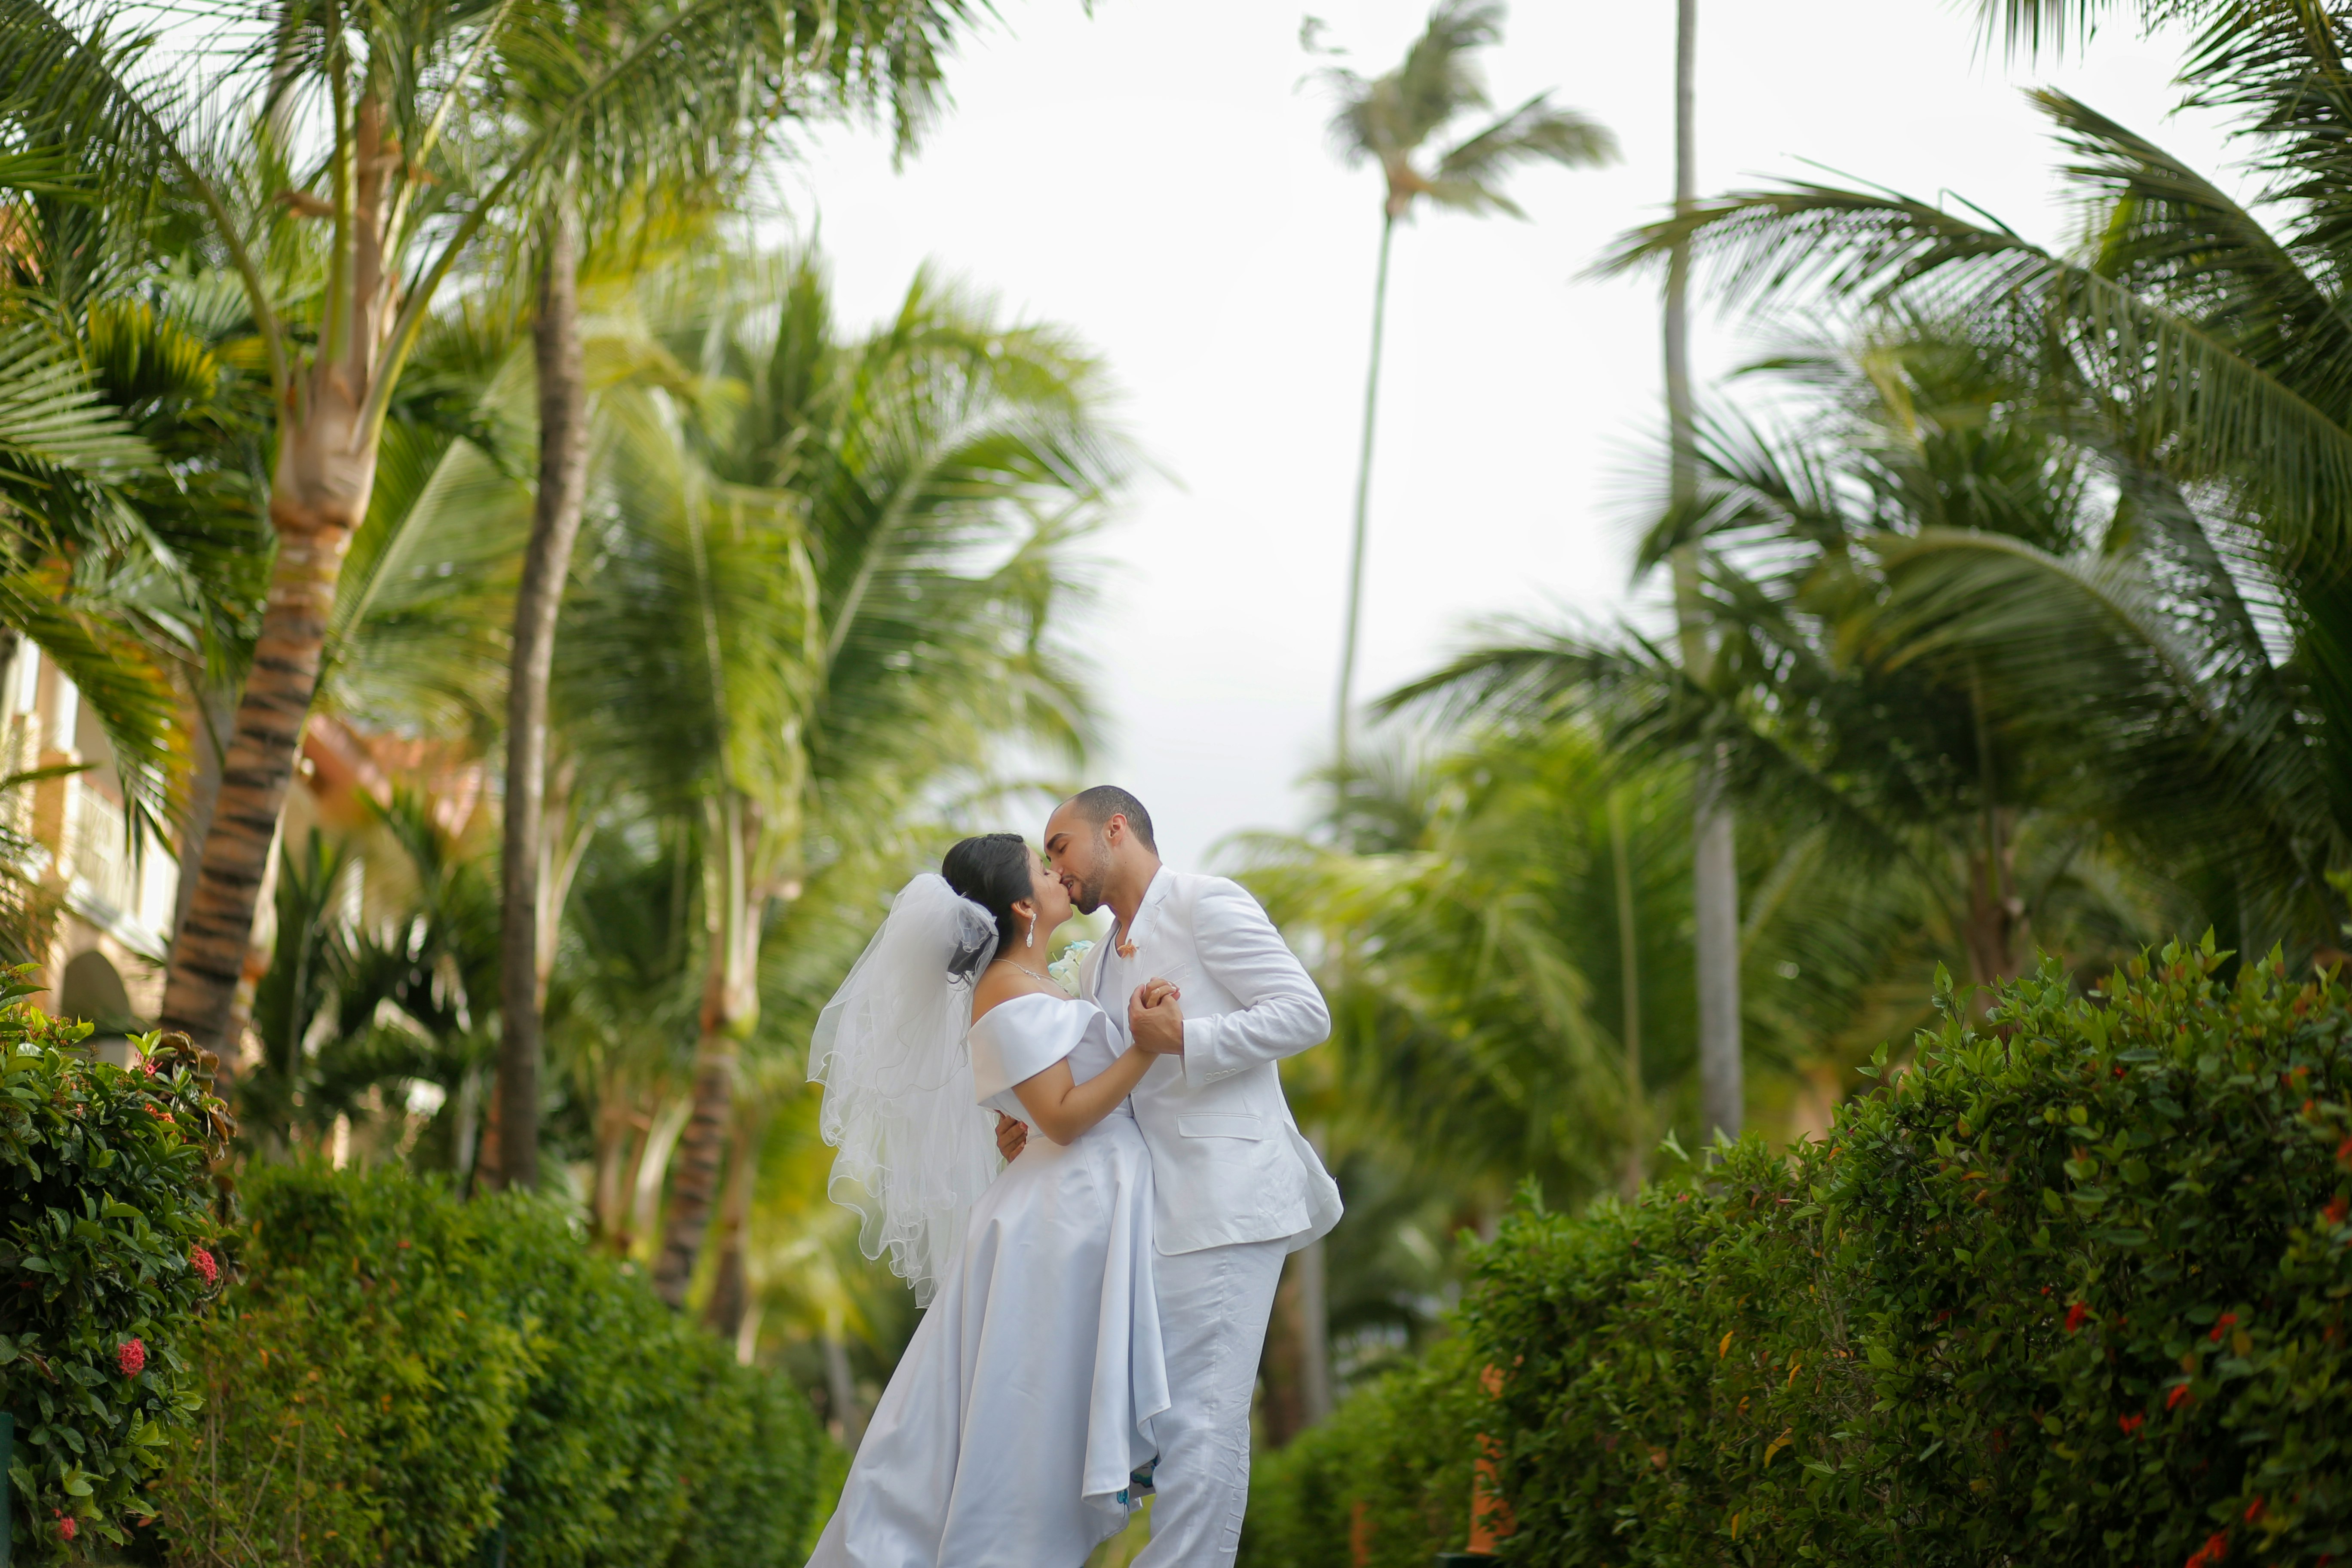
1212, 991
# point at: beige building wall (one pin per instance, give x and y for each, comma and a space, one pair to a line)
117, 902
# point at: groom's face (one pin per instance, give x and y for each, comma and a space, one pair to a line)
1079, 852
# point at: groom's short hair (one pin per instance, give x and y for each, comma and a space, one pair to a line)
1106, 801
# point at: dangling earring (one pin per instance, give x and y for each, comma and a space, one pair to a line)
1033, 931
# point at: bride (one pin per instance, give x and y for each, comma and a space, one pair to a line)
1007, 1435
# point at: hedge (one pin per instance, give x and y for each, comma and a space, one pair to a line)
1383, 1483
106, 1235
2070, 1288
402, 1377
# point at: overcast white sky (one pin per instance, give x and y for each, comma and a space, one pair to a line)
1157, 177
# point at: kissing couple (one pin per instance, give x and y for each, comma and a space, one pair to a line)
1095, 1309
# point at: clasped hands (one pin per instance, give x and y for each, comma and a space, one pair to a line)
1155, 1021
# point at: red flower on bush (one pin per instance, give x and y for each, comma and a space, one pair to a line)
2222, 1325
202, 1262
2216, 1547
2076, 1315
2253, 1510
2131, 1424
2338, 1207
66, 1528
147, 1066
2179, 1397
132, 1358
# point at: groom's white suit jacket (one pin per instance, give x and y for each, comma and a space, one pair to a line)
1228, 1162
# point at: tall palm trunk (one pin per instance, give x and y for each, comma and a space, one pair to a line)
318, 498
731, 1287
840, 1387
1996, 914
730, 1009
547, 565
1715, 865
1629, 980
215, 716
1345, 718
616, 1132
1314, 1329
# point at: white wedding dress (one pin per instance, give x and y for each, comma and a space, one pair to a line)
1025, 1398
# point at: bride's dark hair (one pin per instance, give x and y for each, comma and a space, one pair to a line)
992, 869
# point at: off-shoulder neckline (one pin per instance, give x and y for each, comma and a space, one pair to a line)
1029, 996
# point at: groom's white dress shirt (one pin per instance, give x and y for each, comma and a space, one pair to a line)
1228, 1161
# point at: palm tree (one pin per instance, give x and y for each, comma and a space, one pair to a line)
2197, 347
1863, 712
382, 977
76, 559
827, 577
911, 86
1472, 954
342, 251
1390, 120
1715, 869
125, 520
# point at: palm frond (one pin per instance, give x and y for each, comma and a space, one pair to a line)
1536, 132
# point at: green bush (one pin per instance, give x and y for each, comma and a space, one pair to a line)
400, 1373
2070, 1288
104, 1246
1388, 1473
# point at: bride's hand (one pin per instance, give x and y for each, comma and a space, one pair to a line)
1012, 1136
1155, 1018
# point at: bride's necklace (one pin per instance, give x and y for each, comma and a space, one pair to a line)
1026, 970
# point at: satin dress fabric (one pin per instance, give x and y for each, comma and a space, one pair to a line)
1026, 1396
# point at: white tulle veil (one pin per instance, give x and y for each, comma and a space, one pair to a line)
916, 1148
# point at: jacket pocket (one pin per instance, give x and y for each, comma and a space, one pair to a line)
1221, 1124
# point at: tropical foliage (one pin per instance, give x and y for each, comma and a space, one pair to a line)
2070, 1286
404, 1376
2185, 353
396, 378
106, 1196
817, 612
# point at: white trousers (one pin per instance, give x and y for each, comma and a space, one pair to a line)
1214, 1306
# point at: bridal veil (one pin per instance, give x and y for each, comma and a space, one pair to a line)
916, 1149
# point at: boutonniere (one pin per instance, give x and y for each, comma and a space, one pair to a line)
1127, 939
1065, 969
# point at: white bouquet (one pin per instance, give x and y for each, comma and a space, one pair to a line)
1065, 969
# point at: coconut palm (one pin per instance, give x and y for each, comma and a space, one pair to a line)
1391, 120
1861, 712
1471, 950
2199, 348
827, 575
384, 159
1714, 860
910, 87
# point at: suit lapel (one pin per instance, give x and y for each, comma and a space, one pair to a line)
1147, 923
1090, 966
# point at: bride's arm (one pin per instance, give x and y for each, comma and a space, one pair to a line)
1062, 1109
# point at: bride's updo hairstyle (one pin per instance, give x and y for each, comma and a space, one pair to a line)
992, 869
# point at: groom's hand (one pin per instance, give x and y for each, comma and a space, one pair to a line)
1012, 1136
1155, 1018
